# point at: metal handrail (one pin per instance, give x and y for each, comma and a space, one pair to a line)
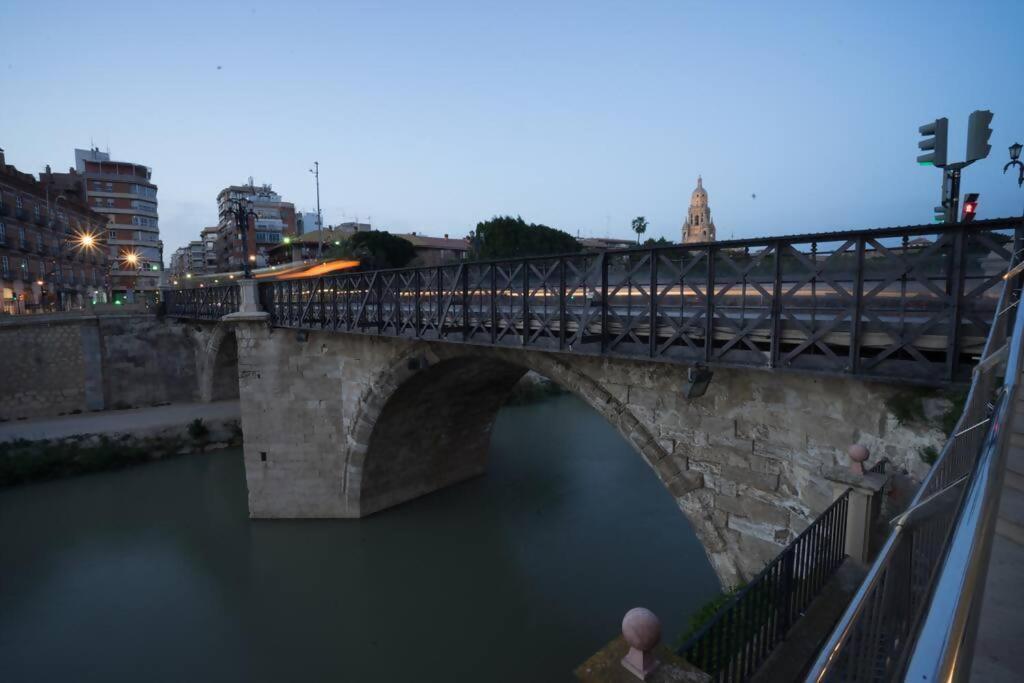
745, 630
872, 610
944, 647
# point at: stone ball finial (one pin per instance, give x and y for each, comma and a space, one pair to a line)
641, 629
858, 456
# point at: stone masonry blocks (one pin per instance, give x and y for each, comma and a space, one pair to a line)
365, 422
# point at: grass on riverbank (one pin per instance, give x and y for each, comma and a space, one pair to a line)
25, 461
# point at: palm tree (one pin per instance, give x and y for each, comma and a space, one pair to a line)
639, 227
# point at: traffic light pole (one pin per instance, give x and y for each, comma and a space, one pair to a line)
951, 191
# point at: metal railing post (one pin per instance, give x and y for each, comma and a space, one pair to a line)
604, 301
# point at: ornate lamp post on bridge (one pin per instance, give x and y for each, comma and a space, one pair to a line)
241, 209
1015, 150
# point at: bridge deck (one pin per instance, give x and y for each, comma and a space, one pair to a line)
910, 304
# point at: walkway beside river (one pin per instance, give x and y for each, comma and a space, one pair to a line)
998, 657
118, 421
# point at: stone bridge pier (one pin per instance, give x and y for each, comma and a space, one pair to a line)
340, 425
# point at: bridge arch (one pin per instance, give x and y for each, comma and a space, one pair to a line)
425, 423
217, 362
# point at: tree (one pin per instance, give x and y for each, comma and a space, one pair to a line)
651, 242
507, 237
639, 227
375, 249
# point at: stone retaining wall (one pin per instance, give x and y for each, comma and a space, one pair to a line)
67, 363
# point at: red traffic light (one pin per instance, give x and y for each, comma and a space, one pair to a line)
970, 207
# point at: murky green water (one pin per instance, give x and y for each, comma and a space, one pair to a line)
157, 574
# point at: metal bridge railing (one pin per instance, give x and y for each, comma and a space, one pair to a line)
745, 630
203, 303
911, 619
909, 303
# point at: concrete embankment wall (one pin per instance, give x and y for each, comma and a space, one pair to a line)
66, 363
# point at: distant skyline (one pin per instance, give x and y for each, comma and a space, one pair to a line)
434, 116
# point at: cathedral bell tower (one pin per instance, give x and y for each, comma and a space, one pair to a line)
698, 226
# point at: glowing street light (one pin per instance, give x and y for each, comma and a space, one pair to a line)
86, 240
131, 258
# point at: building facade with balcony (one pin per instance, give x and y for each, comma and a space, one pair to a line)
273, 221
124, 192
46, 261
188, 259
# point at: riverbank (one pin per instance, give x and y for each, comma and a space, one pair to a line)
51, 448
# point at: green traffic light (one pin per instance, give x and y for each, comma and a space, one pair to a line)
925, 163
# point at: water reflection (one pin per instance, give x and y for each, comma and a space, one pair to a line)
156, 573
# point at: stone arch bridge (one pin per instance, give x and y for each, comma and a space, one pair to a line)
362, 391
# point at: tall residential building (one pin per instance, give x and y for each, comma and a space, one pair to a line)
50, 257
208, 236
698, 226
275, 220
124, 192
189, 259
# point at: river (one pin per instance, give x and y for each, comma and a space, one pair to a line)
155, 573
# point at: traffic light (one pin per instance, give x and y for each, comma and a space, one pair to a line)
978, 133
970, 207
940, 214
936, 144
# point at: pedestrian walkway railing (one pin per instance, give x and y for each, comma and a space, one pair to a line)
914, 617
203, 303
743, 633
909, 303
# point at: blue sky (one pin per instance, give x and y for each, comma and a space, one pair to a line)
431, 116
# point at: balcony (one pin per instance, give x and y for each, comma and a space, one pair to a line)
21, 213
39, 219
24, 245
5, 209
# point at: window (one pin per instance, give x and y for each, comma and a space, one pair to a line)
144, 221
138, 235
112, 234
18, 202
24, 266
3, 234
110, 187
4, 266
110, 202
21, 236
35, 211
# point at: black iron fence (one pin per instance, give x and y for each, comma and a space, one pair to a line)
912, 303
204, 303
745, 630
876, 636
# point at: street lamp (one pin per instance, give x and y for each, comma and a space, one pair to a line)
1015, 149
83, 240
241, 210
132, 260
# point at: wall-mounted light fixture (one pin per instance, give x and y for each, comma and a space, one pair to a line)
697, 380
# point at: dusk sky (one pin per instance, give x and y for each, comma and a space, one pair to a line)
431, 116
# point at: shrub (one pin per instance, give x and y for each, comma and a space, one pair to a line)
198, 430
